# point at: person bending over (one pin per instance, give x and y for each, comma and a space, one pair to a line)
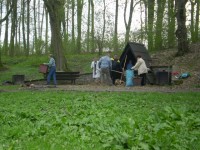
142, 69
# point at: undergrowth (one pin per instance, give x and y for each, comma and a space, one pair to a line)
84, 120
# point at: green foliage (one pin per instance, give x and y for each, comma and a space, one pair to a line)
39, 46
79, 120
29, 66
80, 62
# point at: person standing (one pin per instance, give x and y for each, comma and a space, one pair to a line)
95, 69
116, 71
105, 66
52, 70
142, 69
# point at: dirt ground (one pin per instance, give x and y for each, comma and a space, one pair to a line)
104, 88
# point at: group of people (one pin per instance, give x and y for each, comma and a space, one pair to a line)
107, 69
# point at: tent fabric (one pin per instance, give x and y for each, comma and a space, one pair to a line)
131, 51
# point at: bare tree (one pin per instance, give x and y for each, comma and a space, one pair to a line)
23, 25
73, 45
128, 24
5, 18
181, 32
79, 23
159, 25
5, 42
14, 23
92, 26
171, 24
46, 32
88, 27
115, 40
196, 35
54, 7
35, 24
100, 37
151, 4
28, 28
192, 20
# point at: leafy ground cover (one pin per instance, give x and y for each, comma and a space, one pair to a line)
104, 120
29, 66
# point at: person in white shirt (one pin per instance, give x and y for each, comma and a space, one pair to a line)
95, 69
142, 69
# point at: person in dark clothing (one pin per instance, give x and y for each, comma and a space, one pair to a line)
116, 70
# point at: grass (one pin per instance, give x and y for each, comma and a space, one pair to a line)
84, 120
29, 66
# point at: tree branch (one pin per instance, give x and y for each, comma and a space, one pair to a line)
8, 13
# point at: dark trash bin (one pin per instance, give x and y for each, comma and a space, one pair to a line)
163, 78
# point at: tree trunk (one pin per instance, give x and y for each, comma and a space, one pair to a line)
14, 23
151, 4
46, 32
1, 65
88, 27
171, 24
115, 39
1, 9
79, 23
35, 26
23, 26
92, 27
142, 27
28, 27
181, 32
196, 34
73, 44
159, 25
5, 45
192, 21
19, 27
5, 42
67, 24
146, 16
100, 38
54, 7
64, 27
127, 25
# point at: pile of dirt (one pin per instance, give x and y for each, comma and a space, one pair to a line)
188, 63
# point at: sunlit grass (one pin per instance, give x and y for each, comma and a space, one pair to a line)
29, 66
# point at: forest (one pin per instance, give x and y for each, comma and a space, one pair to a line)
35, 27
88, 115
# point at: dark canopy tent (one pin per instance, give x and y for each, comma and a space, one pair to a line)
131, 51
